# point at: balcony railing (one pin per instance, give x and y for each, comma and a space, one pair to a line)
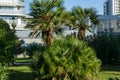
12, 12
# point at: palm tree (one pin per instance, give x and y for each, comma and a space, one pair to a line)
82, 18
46, 14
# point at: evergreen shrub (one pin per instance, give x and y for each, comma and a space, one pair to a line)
66, 59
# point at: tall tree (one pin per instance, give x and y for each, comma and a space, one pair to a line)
45, 15
83, 18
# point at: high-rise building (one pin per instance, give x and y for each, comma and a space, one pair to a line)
112, 7
12, 11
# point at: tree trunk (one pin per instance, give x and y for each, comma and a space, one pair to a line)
81, 33
50, 36
47, 36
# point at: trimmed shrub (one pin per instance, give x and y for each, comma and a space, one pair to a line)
66, 59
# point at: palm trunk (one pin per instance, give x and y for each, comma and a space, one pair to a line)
81, 34
50, 36
47, 36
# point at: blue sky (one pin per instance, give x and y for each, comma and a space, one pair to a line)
98, 4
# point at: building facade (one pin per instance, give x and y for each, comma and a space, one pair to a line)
109, 24
13, 11
112, 7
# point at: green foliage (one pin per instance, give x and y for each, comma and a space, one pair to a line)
47, 15
19, 49
83, 16
66, 59
2, 72
107, 48
31, 48
8, 41
84, 19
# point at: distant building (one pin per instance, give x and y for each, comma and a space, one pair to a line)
109, 24
112, 7
110, 21
13, 11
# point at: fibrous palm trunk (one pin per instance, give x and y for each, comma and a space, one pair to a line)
47, 36
81, 33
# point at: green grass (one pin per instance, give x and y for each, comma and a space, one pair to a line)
109, 73
20, 73
23, 60
25, 73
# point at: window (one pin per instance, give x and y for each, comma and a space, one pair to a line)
8, 1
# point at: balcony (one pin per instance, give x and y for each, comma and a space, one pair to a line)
12, 4
11, 13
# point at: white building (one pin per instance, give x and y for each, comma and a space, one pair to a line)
110, 21
13, 10
109, 24
112, 7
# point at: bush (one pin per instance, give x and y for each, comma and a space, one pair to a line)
32, 48
106, 47
66, 59
8, 42
2, 72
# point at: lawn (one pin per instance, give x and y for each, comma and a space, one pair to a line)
20, 73
108, 72
25, 73
23, 60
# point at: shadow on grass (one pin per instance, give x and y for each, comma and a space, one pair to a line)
111, 68
17, 75
114, 78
